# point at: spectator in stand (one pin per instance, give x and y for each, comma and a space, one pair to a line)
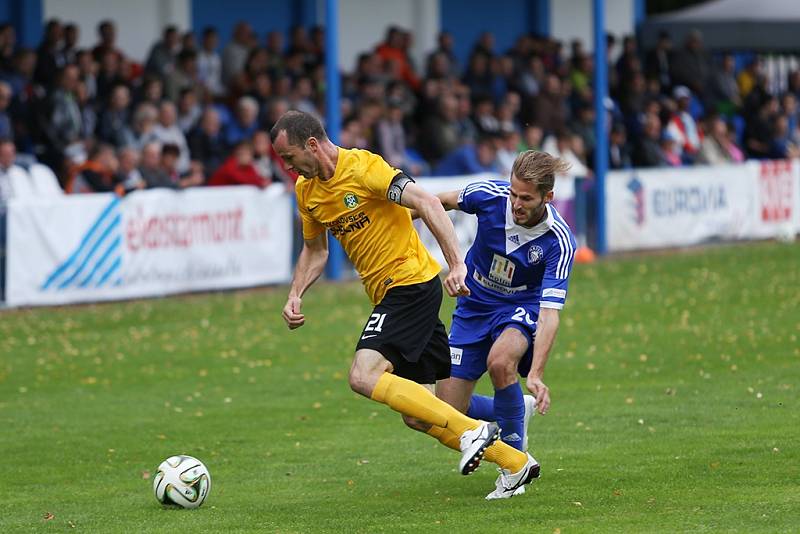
749, 76
97, 174
352, 134
150, 167
14, 180
128, 175
682, 126
781, 145
69, 48
236, 51
49, 60
302, 97
206, 143
168, 132
724, 89
209, 64
239, 169
189, 111
107, 34
276, 50
170, 159
108, 76
671, 151
648, 149
446, 50
145, 119
113, 127
66, 122
392, 50
583, 126
760, 129
183, 76
717, 147
440, 132
89, 69
484, 116
151, 91
471, 159
692, 66
8, 45
532, 137
478, 76
88, 114
6, 127
391, 139
161, 60
793, 84
245, 122
550, 109
619, 156
789, 108
188, 42
466, 131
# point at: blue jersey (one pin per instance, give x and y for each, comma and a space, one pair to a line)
508, 264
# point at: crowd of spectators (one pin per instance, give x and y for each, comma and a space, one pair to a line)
196, 113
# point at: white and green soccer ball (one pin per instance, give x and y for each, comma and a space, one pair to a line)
183, 481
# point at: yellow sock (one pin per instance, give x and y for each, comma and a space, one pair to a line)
506, 456
412, 399
446, 437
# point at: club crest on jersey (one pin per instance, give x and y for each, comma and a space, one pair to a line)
535, 254
350, 200
502, 270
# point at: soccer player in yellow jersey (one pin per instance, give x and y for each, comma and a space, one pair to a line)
403, 348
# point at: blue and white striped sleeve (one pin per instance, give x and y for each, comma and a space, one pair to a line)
558, 266
475, 194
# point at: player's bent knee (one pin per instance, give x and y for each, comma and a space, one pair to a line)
502, 371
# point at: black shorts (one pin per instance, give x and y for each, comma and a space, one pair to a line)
405, 328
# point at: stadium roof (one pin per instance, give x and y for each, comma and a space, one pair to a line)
766, 25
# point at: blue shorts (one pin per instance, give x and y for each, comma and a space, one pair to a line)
473, 333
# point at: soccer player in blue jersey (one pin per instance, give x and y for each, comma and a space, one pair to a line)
518, 269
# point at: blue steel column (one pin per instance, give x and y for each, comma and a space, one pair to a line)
600, 94
333, 119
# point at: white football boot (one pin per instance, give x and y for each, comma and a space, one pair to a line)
474, 444
508, 484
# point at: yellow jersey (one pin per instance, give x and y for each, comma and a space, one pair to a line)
376, 233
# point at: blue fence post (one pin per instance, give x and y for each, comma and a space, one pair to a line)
600, 94
335, 267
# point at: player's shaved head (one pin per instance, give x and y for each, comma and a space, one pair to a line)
539, 168
299, 127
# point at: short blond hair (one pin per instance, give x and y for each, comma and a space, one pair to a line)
540, 168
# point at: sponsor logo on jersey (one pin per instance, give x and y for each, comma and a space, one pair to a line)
455, 355
347, 223
514, 239
535, 254
350, 200
502, 270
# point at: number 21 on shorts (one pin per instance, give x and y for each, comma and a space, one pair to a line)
375, 323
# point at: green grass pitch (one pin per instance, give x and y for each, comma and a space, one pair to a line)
676, 408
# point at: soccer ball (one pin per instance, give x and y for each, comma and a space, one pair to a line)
182, 480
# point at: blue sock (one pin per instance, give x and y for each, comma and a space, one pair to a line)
509, 406
481, 407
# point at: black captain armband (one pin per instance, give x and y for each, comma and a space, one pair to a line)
399, 183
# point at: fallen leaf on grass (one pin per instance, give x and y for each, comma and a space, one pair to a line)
146, 474
48, 516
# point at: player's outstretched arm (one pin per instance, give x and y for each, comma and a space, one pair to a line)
546, 329
430, 210
309, 267
449, 200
